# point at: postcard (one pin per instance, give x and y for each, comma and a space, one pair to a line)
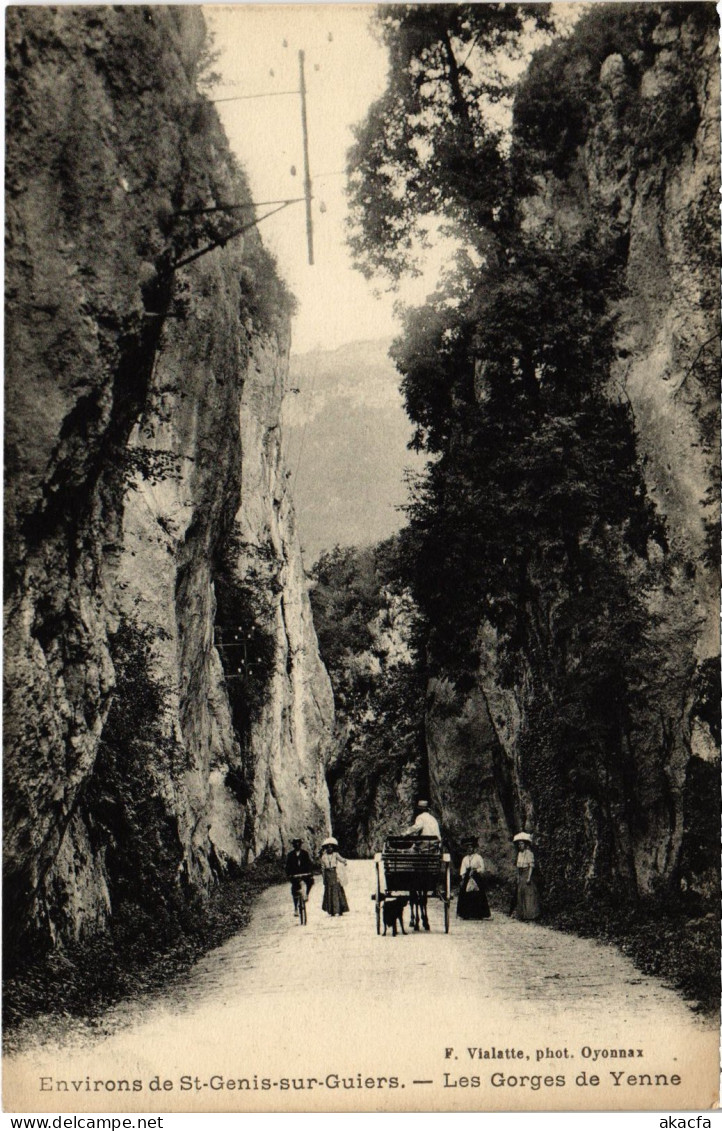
361, 649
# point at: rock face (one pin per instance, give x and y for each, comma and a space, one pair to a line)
166, 714
623, 124
471, 780
294, 726
655, 188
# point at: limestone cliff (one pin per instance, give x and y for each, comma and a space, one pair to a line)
166, 712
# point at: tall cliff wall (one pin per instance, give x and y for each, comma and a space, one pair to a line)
616, 138
166, 713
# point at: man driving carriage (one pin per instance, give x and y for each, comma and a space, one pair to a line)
425, 823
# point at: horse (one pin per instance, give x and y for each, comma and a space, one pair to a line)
417, 906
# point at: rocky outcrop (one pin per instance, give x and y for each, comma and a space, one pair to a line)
654, 189
145, 754
471, 777
294, 725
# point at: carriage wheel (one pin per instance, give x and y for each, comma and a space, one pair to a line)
378, 900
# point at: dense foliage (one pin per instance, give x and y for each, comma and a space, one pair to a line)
435, 148
528, 518
432, 145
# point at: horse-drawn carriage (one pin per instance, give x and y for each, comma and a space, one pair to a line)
417, 867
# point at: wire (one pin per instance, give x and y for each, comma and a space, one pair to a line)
237, 207
231, 235
243, 97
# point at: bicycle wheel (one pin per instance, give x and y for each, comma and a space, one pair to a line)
302, 915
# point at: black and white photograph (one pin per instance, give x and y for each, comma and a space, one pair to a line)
361, 655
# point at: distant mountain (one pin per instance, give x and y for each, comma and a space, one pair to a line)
346, 434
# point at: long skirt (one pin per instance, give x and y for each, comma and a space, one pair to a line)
334, 897
472, 904
527, 899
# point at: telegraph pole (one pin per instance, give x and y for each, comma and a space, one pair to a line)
281, 204
306, 169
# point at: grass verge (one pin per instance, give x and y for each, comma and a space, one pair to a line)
139, 955
678, 945
665, 942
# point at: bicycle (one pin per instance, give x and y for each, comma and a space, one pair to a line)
300, 895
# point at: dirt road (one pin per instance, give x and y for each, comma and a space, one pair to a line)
495, 1015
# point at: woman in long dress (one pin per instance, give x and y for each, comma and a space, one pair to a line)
334, 897
527, 892
472, 902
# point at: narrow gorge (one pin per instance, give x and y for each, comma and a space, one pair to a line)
536, 647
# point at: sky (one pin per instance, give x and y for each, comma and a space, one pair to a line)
345, 72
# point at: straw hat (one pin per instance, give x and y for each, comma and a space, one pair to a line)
330, 842
523, 837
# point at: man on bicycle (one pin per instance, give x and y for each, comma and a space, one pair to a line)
298, 869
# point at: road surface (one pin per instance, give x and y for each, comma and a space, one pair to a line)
495, 1015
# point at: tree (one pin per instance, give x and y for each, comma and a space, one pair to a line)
433, 144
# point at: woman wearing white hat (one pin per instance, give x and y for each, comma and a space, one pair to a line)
333, 867
527, 893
